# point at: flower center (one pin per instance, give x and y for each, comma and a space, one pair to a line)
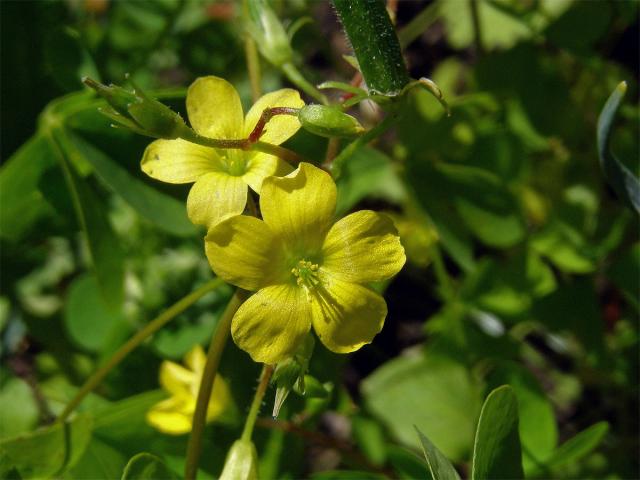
235, 163
306, 274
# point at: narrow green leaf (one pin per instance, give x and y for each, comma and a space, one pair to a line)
625, 183
163, 210
104, 246
145, 466
497, 453
22, 203
580, 445
46, 452
439, 467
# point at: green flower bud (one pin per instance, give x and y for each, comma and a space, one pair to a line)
290, 373
241, 463
139, 112
328, 121
270, 36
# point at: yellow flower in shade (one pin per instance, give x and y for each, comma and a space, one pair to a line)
175, 414
305, 269
221, 176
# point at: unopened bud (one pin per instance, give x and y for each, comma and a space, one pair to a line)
290, 373
139, 112
241, 462
269, 34
328, 121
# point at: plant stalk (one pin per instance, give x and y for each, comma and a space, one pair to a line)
149, 329
250, 422
218, 341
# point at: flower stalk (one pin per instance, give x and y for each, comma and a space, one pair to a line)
216, 347
152, 327
250, 422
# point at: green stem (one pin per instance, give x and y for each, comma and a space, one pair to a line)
477, 28
218, 341
149, 329
295, 77
418, 25
345, 154
250, 422
251, 57
375, 43
444, 280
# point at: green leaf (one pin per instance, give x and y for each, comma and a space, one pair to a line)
100, 460
509, 287
104, 246
22, 202
407, 464
537, 424
87, 316
347, 475
625, 183
439, 466
163, 210
18, 407
48, 451
432, 392
145, 466
577, 447
368, 173
497, 453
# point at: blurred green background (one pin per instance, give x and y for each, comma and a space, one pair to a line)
523, 265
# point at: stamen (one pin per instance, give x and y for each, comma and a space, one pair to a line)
306, 274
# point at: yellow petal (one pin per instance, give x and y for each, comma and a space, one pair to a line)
244, 252
280, 127
195, 359
262, 165
178, 161
272, 323
346, 315
214, 108
175, 378
169, 417
216, 196
300, 206
363, 247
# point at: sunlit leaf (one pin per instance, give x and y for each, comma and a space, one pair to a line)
497, 453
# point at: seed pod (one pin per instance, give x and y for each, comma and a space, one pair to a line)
328, 121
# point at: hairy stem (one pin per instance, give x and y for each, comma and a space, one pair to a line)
379, 129
218, 341
149, 329
265, 376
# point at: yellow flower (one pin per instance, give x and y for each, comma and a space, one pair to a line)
221, 176
305, 269
175, 414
